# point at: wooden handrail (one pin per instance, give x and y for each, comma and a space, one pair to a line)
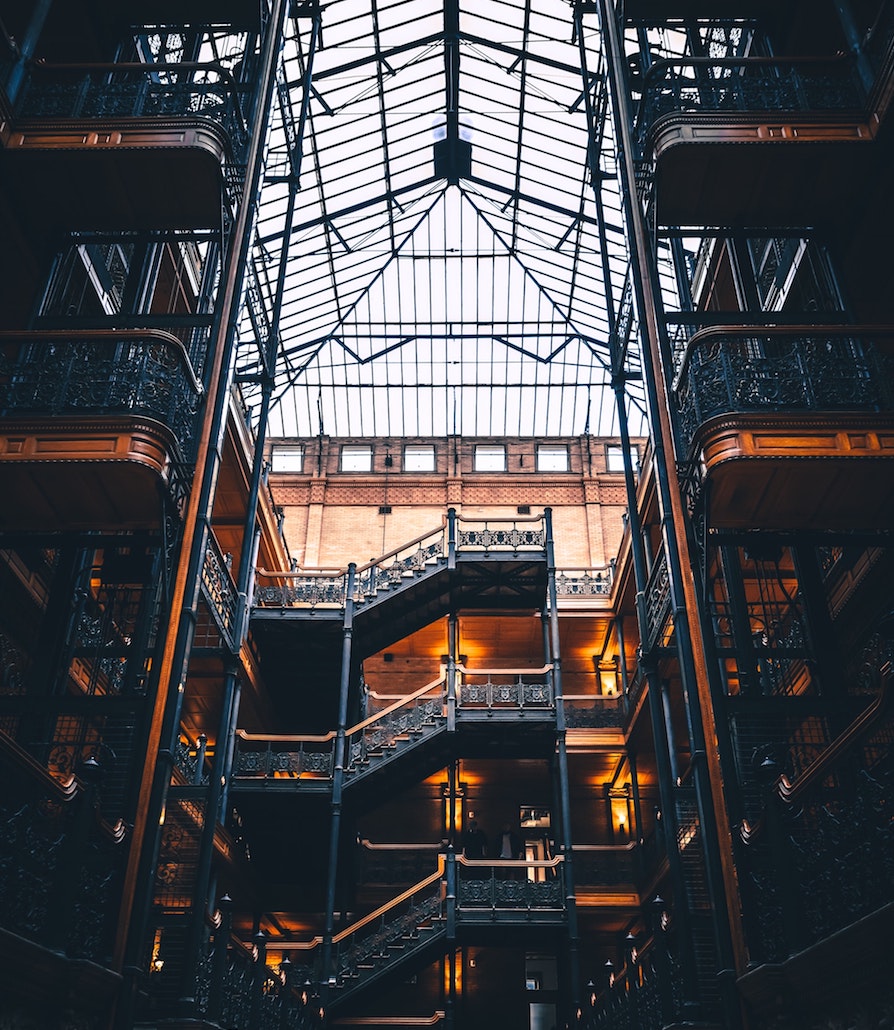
512, 863
370, 846
393, 708
606, 848
504, 672
288, 738
819, 767
382, 909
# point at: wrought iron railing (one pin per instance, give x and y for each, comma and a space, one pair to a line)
93, 372
420, 711
821, 854
506, 884
527, 689
595, 711
407, 718
657, 603
283, 757
136, 90
596, 582
802, 368
220, 591
314, 587
743, 84
398, 922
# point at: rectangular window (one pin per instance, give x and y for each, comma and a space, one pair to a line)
419, 458
356, 458
490, 457
287, 459
552, 457
614, 458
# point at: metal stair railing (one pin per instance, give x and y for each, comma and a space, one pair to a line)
312, 586
412, 715
373, 940
310, 757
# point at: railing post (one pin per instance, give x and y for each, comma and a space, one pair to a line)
259, 975
219, 958
452, 630
450, 897
327, 973
554, 656
451, 538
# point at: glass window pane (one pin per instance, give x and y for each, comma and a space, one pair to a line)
287, 459
490, 458
614, 458
356, 458
419, 458
552, 458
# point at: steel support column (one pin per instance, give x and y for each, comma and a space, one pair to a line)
695, 683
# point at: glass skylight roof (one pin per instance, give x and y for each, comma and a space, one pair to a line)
429, 230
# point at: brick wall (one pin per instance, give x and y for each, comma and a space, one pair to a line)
333, 517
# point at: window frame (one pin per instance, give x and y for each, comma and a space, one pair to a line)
356, 449
556, 449
493, 447
419, 449
280, 450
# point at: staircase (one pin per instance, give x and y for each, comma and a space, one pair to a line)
402, 934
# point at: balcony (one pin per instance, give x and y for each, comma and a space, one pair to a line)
791, 426
92, 423
755, 140
135, 145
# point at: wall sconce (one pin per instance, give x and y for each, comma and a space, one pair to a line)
457, 806
607, 675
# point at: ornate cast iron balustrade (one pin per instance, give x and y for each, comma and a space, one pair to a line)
585, 582
501, 539
728, 370
272, 758
220, 591
420, 713
595, 711
657, 603
492, 695
137, 90
108, 372
510, 885
745, 84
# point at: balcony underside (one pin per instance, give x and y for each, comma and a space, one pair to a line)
746, 170
779, 471
73, 473
116, 174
